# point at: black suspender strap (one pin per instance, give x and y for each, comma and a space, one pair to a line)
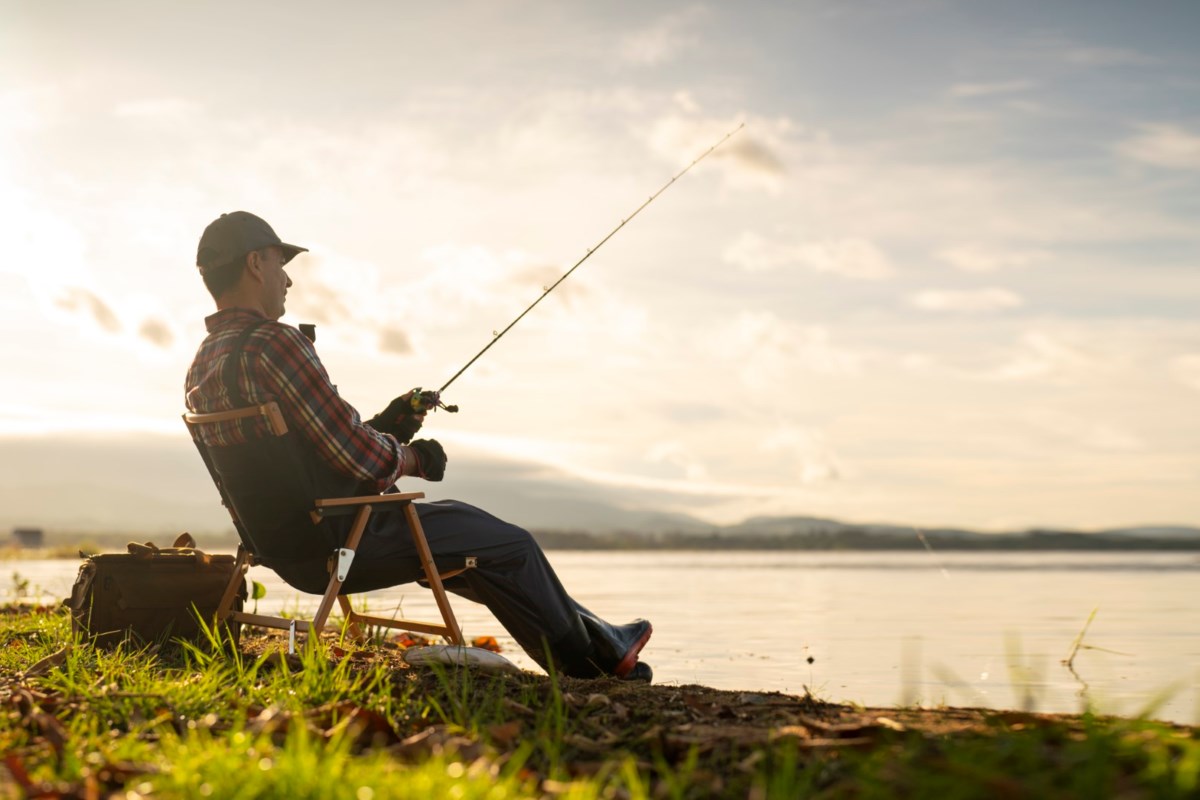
229, 375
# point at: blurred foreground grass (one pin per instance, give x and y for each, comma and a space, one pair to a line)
337, 721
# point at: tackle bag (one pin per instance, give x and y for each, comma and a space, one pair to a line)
150, 595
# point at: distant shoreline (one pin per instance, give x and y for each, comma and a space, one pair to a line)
857, 541
847, 539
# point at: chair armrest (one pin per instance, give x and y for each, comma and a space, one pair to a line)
345, 505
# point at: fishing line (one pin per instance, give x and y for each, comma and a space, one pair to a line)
929, 549
497, 336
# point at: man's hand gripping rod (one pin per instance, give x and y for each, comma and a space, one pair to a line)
429, 399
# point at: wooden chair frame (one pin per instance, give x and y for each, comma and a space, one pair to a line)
341, 558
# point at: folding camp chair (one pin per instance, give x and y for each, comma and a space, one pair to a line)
270, 485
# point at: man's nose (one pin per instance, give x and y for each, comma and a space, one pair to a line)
289, 280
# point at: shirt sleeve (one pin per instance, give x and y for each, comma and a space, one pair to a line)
292, 371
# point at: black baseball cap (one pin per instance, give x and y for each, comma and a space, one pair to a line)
230, 236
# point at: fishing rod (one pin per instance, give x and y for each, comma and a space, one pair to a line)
426, 400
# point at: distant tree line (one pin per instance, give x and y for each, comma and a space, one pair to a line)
832, 538
858, 539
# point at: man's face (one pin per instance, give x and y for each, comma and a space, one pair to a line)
275, 281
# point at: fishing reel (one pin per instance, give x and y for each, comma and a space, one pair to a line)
428, 400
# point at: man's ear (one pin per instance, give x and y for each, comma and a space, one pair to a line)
254, 264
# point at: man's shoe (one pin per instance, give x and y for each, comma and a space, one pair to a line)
616, 647
641, 672
638, 634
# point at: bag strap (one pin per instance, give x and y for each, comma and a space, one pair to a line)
185, 545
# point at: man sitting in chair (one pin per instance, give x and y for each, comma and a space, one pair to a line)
242, 263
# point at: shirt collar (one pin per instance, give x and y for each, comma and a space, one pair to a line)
228, 317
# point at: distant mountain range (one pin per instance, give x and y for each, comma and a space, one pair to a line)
807, 526
155, 487
814, 533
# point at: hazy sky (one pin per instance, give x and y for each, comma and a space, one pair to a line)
948, 273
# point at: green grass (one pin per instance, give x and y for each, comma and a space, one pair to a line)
210, 720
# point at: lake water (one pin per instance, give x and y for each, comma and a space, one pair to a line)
880, 629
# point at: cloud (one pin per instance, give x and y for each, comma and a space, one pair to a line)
686, 102
463, 283
753, 253
346, 296
1186, 370
461, 293
1163, 145
856, 259
27, 110
768, 351
662, 41
1089, 434
979, 258
1106, 57
554, 460
695, 413
158, 109
457, 285
29, 223
542, 277
677, 455
1044, 356
84, 302
968, 90
968, 300
395, 342
752, 154
156, 332
814, 460
317, 302
849, 258
1060, 49
462, 280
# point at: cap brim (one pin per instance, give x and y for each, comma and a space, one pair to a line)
290, 251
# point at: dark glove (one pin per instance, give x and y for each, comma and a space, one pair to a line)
398, 419
431, 459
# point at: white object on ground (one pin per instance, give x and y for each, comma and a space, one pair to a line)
459, 656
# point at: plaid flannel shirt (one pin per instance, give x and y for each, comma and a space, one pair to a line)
278, 363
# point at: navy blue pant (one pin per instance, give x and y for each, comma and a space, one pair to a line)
512, 578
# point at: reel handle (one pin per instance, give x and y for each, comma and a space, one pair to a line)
424, 400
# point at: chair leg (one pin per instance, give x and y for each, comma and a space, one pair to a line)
356, 630
431, 573
240, 567
335, 585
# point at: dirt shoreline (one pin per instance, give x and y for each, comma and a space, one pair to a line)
730, 729
366, 711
